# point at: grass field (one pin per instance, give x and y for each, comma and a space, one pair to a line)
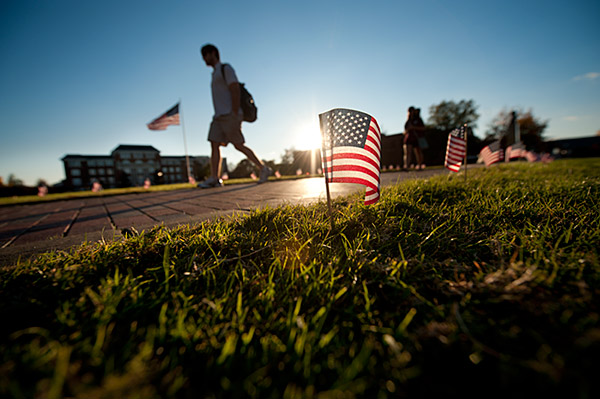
485, 288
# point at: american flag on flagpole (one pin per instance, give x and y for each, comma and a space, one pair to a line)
456, 149
352, 150
492, 153
171, 117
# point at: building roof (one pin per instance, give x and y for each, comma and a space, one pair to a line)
74, 156
127, 147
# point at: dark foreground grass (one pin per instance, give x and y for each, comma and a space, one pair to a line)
486, 288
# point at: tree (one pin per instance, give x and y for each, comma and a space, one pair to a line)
531, 129
243, 169
449, 115
13, 181
287, 158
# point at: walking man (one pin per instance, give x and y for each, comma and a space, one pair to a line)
226, 126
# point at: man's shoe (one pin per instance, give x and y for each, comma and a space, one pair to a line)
265, 172
211, 182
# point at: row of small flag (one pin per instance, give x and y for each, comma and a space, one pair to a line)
351, 148
490, 154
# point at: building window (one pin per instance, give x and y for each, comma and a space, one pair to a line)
77, 181
75, 172
109, 171
74, 164
101, 171
93, 172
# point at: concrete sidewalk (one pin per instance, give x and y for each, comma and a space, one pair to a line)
26, 230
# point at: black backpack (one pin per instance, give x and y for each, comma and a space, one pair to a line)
246, 101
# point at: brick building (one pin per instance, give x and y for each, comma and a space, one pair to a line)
130, 165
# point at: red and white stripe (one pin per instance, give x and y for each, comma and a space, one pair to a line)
490, 157
164, 121
455, 152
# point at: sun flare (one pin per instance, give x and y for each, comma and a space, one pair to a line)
307, 136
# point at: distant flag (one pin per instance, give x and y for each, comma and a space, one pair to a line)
171, 117
515, 151
532, 156
352, 150
546, 158
253, 176
455, 149
492, 153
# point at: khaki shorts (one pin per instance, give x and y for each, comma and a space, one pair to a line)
226, 129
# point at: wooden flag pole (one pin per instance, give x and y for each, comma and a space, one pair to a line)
329, 201
187, 159
466, 149
324, 162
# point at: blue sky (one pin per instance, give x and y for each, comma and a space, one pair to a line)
82, 77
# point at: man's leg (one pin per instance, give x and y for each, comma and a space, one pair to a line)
241, 147
265, 171
215, 159
409, 155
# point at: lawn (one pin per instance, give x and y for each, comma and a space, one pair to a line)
486, 288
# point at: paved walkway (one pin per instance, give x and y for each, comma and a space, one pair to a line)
26, 230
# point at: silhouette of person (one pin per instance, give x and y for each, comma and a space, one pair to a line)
419, 128
226, 126
412, 128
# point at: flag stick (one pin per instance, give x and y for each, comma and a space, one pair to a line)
329, 201
187, 159
466, 149
324, 162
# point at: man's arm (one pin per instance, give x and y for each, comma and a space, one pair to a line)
234, 89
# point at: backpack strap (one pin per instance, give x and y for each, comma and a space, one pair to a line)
223, 73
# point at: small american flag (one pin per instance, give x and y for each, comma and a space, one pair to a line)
492, 153
532, 156
456, 149
352, 150
171, 117
546, 158
515, 151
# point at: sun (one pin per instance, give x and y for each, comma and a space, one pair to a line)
307, 136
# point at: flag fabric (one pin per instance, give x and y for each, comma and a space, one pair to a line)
532, 156
456, 149
546, 158
492, 153
351, 150
515, 151
171, 117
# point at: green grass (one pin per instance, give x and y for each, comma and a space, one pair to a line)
488, 287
